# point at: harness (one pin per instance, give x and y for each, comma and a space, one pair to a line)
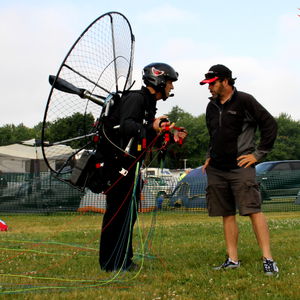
99, 168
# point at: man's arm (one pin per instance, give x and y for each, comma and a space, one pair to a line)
268, 132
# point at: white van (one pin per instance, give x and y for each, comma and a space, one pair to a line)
162, 173
157, 172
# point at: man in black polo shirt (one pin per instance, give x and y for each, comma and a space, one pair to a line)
232, 118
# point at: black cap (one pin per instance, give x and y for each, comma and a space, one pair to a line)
216, 72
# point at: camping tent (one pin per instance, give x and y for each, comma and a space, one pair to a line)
190, 190
20, 158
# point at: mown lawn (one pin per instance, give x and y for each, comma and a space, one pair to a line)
56, 257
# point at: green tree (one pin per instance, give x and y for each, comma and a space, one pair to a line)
70, 127
287, 144
10, 134
195, 146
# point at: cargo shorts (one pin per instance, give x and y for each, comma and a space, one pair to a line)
232, 190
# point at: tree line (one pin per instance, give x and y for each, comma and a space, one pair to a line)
191, 154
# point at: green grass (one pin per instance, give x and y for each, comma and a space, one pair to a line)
56, 257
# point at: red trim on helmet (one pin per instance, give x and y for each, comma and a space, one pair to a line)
157, 72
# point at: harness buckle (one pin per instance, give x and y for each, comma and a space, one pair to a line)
123, 172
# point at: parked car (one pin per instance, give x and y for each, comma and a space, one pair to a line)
43, 192
163, 173
278, 178
156, 186
49, 192
3, 184
156, 172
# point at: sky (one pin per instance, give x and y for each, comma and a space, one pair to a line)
258, 40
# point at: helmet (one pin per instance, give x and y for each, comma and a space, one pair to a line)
157, 74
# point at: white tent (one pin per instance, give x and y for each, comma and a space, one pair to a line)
18, 158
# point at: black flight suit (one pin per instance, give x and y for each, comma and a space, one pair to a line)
137, 114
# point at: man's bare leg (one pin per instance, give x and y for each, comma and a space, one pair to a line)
261, 230
231, 233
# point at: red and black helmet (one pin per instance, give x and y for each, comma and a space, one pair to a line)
157, 74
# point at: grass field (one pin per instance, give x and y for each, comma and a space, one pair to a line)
56, 257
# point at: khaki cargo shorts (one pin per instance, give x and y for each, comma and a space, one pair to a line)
229, 191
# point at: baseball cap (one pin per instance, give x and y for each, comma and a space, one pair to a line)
216, 72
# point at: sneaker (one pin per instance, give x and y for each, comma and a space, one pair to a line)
270, 267
228, 264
